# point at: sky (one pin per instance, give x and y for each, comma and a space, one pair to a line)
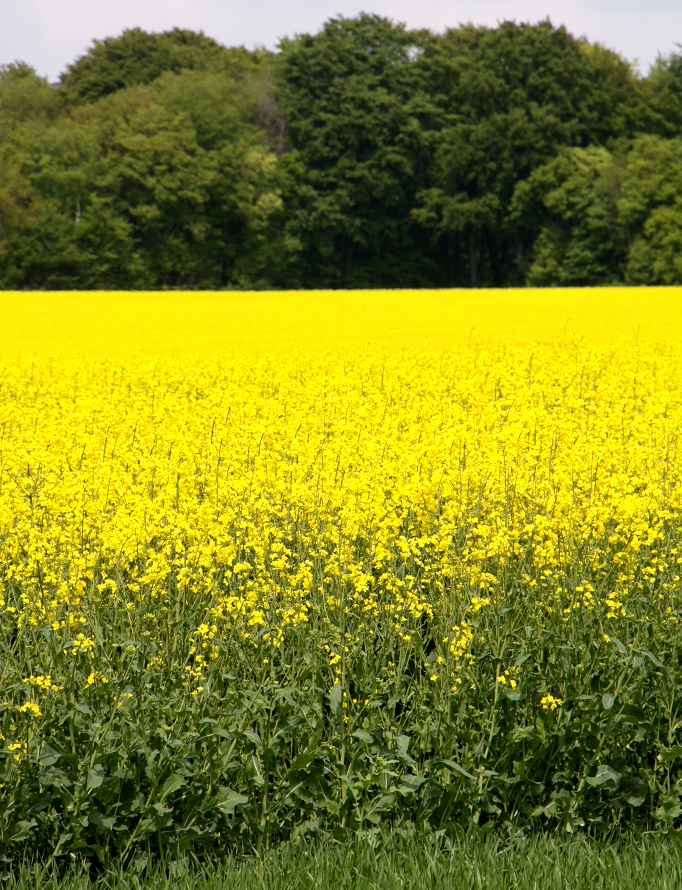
49, 34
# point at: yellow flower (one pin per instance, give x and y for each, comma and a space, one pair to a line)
43, 681
95, 677
19, 749
550, 703
83, 644
31, 708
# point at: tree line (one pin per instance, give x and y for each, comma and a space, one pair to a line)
366, 155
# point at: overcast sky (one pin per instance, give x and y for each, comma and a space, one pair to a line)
49, 34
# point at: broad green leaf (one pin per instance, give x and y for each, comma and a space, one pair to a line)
335, 698
363, 736
635, 791
22, 831
671, 754
451, 764
230, 800
96, 776
669, 809
605, 776
409, 784
172, 784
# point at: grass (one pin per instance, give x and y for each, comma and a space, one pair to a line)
422, 863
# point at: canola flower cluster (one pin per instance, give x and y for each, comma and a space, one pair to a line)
335, 497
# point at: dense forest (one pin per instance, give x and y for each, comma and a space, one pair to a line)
366, 155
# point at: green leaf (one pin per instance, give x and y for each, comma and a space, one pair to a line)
49, 756
652, 658
403, 745
302, 761
632, 714
460, 769
96, 776
617, 643
230, 800
669, 809
363, 736
335, 698
172, 783
22, 831
409, 784
254, 737
635, 791
605, 776
670, 754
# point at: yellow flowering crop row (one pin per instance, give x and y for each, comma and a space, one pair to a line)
395, 547
119, 324
396, 485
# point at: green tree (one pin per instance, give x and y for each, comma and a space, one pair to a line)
137, 57
663, 95
354, 117
24, 96
572, 203
364, 155
651, 209
244, 210
167, 186
20, 205
509, 99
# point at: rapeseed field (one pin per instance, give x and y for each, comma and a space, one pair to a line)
248, 597
186, 324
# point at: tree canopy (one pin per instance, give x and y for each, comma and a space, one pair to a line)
366, 155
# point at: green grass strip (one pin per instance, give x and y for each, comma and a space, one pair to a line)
421, 863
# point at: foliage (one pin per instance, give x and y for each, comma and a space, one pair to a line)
19, 203
366, 155
354, 114
136, 58
24, 96
244, 601
418, 861
573, 204
652, 208
663, 95
138, 192
510, 98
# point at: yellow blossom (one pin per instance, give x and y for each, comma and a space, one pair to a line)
550, 703
31, 708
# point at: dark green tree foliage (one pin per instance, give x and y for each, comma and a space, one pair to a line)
166, 185
132, 199
355, 119
605, 218
137, 57
24, 96
19, 203
663, 94
510, 98
572, 202
651, 208
365, 155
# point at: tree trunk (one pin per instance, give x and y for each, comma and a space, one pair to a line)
473, 271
